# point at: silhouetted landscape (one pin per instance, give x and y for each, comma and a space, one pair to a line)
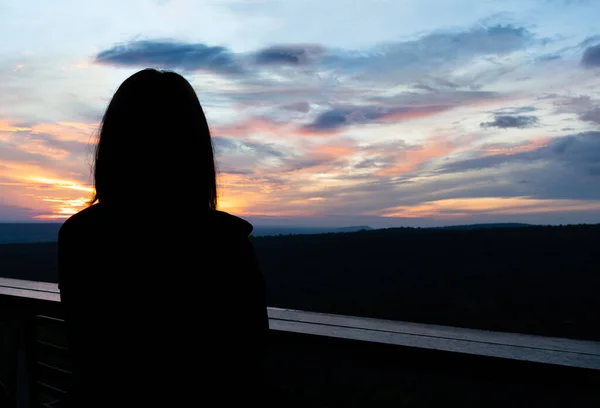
530, 279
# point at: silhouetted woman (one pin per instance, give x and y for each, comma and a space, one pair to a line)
163, 297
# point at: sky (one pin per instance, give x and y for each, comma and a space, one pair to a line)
323, 113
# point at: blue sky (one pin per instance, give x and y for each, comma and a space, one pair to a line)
380, 112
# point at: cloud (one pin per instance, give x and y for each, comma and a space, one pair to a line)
43, 142
403, 161
245, 157
516, 110
549, 57
509, 121
50, 192
431, 53
498, 39
556, 179
405, 60
268, 128
444, 98
288, 54
586, 108
171, 55
592, 115
257, 159
567, 167
344, 116
591, 40
367, 164
224, 145
301, 107
491, 149
553, 151
464, 207
46, 171
12, 213
591, 57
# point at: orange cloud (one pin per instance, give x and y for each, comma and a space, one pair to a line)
411, 159
492, 150
415, 113
248, 184
59, 183
266, 127
24, 138
237, 192
35, 146
62, 208
8, 126
42, 190
261, 196
67, 131
248, 127
332, 151
461, 207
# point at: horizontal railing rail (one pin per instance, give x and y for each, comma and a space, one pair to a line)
539, 349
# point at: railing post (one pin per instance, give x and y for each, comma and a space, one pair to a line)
22, 370
14, 358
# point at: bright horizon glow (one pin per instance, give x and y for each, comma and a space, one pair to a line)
376, 113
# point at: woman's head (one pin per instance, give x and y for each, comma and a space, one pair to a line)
155, 144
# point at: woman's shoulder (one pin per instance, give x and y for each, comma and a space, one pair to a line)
95, 217
79, 221
228, 223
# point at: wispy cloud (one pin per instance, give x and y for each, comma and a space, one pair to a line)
586, 108
591, 57
288, 54
567, 167
170, 54
466, 207
509, 121
345, 116
393, 60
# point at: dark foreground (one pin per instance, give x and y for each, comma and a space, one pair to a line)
309, 370
324, 372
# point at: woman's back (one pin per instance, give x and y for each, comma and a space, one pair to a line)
161, 309
163, 297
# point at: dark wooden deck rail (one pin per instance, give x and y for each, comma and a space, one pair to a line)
35, 369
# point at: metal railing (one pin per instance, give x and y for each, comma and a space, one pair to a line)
37, 370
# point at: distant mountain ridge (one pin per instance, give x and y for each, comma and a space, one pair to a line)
24, 233
491, 225
261, 231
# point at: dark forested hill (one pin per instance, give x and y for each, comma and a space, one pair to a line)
541, 280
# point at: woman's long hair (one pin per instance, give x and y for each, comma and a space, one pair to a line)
155, 145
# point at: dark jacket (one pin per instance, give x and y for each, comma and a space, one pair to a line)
161, 308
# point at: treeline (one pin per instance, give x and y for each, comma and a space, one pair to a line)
540, 280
